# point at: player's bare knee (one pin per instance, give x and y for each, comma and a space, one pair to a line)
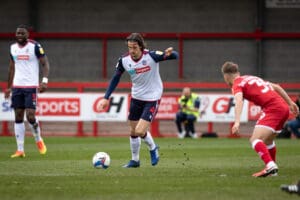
30, 118
140, 133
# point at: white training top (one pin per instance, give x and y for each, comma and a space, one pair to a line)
26, 59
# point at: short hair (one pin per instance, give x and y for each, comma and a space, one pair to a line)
230, 68
137, 37
23, 26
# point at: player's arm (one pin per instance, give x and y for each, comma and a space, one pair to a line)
112, 85
168, 54
11, 74
293, 106
45, 71
238, 97
39, 52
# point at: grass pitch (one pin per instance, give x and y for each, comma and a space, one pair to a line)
215, 169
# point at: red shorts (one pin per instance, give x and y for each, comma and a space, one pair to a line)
274, 117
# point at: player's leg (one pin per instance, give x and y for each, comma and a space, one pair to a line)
260, 139
19, 126
142, 129
135, 112
36, 130
135, 145
269, 124
272, 150
30, 105
292, 189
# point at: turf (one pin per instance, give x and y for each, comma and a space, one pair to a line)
188, 169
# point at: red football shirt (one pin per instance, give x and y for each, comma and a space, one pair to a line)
274, 109
256, 90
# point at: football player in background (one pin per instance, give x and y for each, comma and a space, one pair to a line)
275, 104
23, 83
292, 189
142, 66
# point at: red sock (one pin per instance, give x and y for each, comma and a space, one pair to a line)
272, 151
262, 150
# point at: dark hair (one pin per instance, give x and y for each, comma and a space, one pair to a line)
137, 37
23, 26
230, 68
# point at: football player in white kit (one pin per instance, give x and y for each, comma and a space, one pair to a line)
143, 67
23, 83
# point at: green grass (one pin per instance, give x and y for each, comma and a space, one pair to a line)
188, 169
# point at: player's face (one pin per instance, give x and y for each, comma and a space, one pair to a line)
134, 50
21, 36
227, 79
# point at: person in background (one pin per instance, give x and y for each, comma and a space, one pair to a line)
275, 104
188, 105
294, 125
142, 66
23, 83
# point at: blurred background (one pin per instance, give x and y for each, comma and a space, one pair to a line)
84, 39
262, 39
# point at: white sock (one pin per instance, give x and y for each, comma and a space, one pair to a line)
149, 141
20, 135
271, 164
135, 144
36, 132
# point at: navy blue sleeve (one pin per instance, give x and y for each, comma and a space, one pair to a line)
161, 56
115, 79
11, 57
39, 51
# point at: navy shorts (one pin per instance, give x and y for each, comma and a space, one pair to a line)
24, 98
142, 110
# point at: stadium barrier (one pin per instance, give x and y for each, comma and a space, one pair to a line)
221, 103
257, 35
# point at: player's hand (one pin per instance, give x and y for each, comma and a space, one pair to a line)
294, 108
7, 93
102, 104
235, 128
43, 87
169, 51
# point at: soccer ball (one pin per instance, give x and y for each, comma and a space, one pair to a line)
101, 160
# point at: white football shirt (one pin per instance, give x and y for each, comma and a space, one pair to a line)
146, 82
26, 59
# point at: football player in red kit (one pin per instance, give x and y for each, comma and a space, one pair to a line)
275, 105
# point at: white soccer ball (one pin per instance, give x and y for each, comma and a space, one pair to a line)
101, 160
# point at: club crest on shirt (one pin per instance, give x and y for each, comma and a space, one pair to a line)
159, 52
144, 62
41, 50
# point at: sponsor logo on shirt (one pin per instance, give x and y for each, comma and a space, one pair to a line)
142, 70
23, 57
